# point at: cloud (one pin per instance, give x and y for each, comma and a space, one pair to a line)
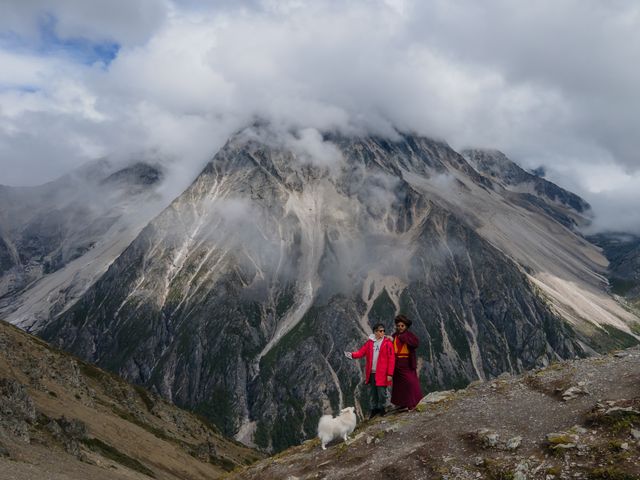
611, 188
310, 147
123, 21
549, 83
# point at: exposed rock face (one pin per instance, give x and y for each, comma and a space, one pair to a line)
56, 410
136, 175
238, 300
58, 238
529, 190
497, 166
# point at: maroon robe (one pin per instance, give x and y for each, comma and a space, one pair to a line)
406, 391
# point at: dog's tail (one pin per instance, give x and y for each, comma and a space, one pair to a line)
325, 425
325, 430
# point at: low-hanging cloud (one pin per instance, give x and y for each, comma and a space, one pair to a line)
549, 83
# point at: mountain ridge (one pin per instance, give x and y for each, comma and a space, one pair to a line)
57, 238
272, 250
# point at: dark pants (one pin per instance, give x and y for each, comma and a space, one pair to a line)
378, 394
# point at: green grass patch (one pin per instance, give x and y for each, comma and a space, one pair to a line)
493, 469
207, 423
610, 339
285, 301
218, 409
93, 372
129, 417
635, 328
554, 470
617, 421
622, 286
116, 455
261, 435
609, 473
291, 341
551, 387
222, 462
145, 397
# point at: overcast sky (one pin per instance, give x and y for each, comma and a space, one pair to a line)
551, 83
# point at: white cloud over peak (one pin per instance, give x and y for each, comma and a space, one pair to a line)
550, 83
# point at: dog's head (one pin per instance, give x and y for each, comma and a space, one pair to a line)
347, 410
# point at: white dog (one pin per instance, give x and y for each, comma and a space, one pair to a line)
333, 427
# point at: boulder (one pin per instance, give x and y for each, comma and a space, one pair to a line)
574, 392
562, 440
437, 397
487, 438
513, 443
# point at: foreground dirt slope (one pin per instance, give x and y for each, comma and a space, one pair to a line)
61, 418
575, 419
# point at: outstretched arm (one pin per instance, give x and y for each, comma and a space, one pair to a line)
360, 353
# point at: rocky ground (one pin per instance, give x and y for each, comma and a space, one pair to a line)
571, 420
63, 419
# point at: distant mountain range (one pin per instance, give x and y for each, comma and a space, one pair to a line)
57, 239
237, 299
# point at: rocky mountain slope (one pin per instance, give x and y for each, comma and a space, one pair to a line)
559, 203
61, 418
238, 299
57, 239
572, 419
623, 252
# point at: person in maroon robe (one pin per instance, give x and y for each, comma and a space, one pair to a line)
406, 391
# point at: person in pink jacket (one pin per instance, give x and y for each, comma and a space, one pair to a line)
380, 362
